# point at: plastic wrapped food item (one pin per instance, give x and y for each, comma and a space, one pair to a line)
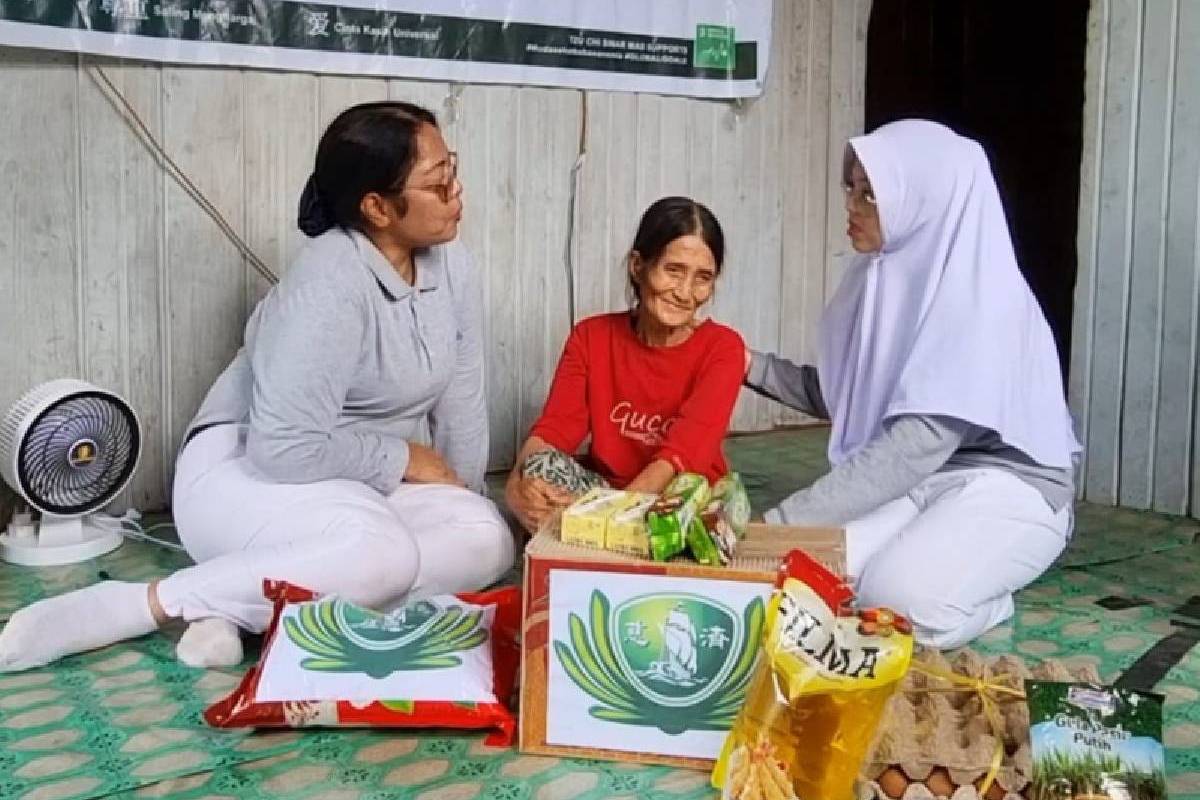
559, 469
702, 545
1095, 742
585, 522
731, 503
816, 699
627, 532
725, 518
671, 516
720, 533
448, 661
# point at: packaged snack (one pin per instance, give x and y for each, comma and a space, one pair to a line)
585, 522
731, 503
559, 469
670, 517
1095, 742
447, 662
816, 699
724, 521
720, 533
626, 532
702, 545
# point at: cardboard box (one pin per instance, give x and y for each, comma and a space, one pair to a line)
628, 659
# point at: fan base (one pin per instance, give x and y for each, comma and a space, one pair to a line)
59, 541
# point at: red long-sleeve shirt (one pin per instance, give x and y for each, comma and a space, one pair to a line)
642, 403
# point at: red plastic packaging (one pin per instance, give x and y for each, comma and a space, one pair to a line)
831, 588
241, 709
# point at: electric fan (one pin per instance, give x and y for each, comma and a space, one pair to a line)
68, 448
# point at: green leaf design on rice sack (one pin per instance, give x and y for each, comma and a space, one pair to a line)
674, 661
342, 637
399, 706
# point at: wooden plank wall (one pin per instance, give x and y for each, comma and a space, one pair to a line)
109, 271
1136, 355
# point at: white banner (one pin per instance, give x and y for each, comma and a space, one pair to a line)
649, 663
699, 48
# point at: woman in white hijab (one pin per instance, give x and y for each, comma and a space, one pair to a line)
952, 450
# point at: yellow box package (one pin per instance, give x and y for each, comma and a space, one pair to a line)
627, 531
815, 700
585, 522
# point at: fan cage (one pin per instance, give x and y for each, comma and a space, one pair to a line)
48, 479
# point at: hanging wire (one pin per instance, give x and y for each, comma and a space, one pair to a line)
572, 202
131, 117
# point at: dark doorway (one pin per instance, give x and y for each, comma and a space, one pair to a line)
1009, 75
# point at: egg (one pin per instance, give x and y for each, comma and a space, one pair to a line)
939, 783
994, 792
892, 782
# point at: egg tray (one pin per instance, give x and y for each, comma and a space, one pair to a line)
933, 743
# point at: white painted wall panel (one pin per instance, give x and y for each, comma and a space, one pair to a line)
1135, 356
110, 271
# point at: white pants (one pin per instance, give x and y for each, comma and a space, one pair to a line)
335, 536
950, 553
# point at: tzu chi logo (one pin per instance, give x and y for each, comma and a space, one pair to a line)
318, 22
674, 661
341, 637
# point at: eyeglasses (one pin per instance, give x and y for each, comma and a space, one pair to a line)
445, 189
859, 194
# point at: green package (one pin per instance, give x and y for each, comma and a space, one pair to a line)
665, 546
730, 500
669, 519
1095, 742
701, 545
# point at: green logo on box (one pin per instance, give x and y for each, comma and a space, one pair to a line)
342, 637
715, 47
675, 661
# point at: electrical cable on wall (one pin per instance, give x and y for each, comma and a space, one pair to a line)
131, 117
147, 137
573, 195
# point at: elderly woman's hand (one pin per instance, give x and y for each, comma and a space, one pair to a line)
533, 500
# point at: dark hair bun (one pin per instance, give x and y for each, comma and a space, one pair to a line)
313, 217
367, 148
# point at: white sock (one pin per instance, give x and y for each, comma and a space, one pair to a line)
211, 642
71, 623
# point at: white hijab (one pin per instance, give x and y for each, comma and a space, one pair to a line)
940, 321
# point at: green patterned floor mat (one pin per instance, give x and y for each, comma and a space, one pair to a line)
110, 721
1058, 617
1117, 534
125, 721
382, 766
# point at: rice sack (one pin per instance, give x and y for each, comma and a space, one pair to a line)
448, 661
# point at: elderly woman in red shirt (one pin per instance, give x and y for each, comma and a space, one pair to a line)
654, 387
